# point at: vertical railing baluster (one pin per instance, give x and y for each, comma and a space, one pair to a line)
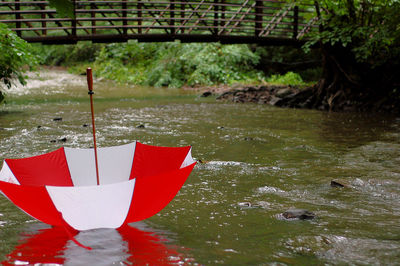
43, 17
295, 22
182, 17
73, 23
139, 16
216, 17
172, 17
124, 18
223, 8
18, 17
258, 17
93, 17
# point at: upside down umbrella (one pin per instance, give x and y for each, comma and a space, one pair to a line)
94, 188
136, 182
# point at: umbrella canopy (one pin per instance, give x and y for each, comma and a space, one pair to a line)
136, 181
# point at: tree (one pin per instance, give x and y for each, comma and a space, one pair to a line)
359, 41
15, 54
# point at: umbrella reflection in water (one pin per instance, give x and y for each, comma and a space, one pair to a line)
127, 245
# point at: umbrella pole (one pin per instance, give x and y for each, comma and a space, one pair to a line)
90, 86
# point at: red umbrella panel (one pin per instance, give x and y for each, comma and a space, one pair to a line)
136, 181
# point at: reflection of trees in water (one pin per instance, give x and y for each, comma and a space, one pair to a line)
128, 245
350, 130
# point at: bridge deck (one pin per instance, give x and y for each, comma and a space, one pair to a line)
227, 21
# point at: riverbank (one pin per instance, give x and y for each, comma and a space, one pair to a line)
263, 94
301, 97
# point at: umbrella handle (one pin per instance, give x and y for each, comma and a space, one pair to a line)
90, 87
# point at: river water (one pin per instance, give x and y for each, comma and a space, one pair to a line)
269, 158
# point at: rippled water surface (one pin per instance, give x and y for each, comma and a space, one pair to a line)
258, 161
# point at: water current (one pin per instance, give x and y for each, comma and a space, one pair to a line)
257, 162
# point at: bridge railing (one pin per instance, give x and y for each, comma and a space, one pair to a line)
226, 21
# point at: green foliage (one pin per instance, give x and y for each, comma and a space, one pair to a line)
65, 8
15, 54
283, 59
369, 28
174, 64
289, 78
67, 55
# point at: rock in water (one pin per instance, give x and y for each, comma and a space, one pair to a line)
206, 94
245, 204
298, 214
335, 183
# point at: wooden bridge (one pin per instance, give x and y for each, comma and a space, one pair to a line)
268, 22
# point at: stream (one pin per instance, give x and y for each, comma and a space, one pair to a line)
257, 162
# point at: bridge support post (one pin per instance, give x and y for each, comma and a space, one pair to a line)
183, 11
259, 17
172, 18
18, 17
124, 18
93, 16
73, 22
216, 15
139, 17
295, 22
222, 16
43, 17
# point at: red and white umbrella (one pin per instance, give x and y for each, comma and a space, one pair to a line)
96, 188
136, 181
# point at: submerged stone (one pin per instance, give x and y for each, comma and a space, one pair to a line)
206, 94
59, 140
298, 214
57, 119
248, 205
245, 204
336, 183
